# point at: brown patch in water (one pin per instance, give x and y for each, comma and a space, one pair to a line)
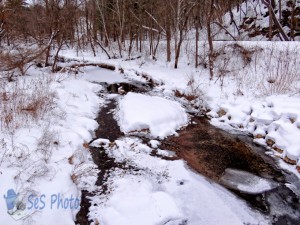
210, 150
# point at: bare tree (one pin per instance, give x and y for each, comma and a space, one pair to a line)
183, 10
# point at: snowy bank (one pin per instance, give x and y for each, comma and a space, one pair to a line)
43, 146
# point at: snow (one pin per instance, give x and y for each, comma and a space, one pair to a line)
249, 10
162, 117
135, 202
249, 106
96, 74
154, 143
38, 156
272, 118
164, 192
160, 192
250, 102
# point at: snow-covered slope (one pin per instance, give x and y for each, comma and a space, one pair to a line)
251, 21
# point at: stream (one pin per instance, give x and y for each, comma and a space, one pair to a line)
232, 160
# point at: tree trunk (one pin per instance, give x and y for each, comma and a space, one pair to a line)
270, 23
178, 49
276, 22
293, 22
280, 10
210, 42
197, 47
168, 34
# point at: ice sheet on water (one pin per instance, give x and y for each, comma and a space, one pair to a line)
96, 74
246, 182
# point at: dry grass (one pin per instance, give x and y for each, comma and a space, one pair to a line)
25, 101
273, 69
82, 172
188, 97
281, 72
46, 144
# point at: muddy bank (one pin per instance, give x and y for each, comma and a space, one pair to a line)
210, 151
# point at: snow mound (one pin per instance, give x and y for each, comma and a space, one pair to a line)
160, 116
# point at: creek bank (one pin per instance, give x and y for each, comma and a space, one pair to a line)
209, 151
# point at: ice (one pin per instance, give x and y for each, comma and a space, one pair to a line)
246, 182
96, 74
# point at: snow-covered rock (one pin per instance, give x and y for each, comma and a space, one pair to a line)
160, 116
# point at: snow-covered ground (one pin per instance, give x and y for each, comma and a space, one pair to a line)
37, 149
251, 22
46, 154
164, 192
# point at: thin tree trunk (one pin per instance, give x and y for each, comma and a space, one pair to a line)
156, 46
197, 45
276, 22
280, 10
59, 46
178, 49
293, 22
168, 34
270, 23
210, 42
100, 45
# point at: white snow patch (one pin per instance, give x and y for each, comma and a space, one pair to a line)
154, 143
161, 116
